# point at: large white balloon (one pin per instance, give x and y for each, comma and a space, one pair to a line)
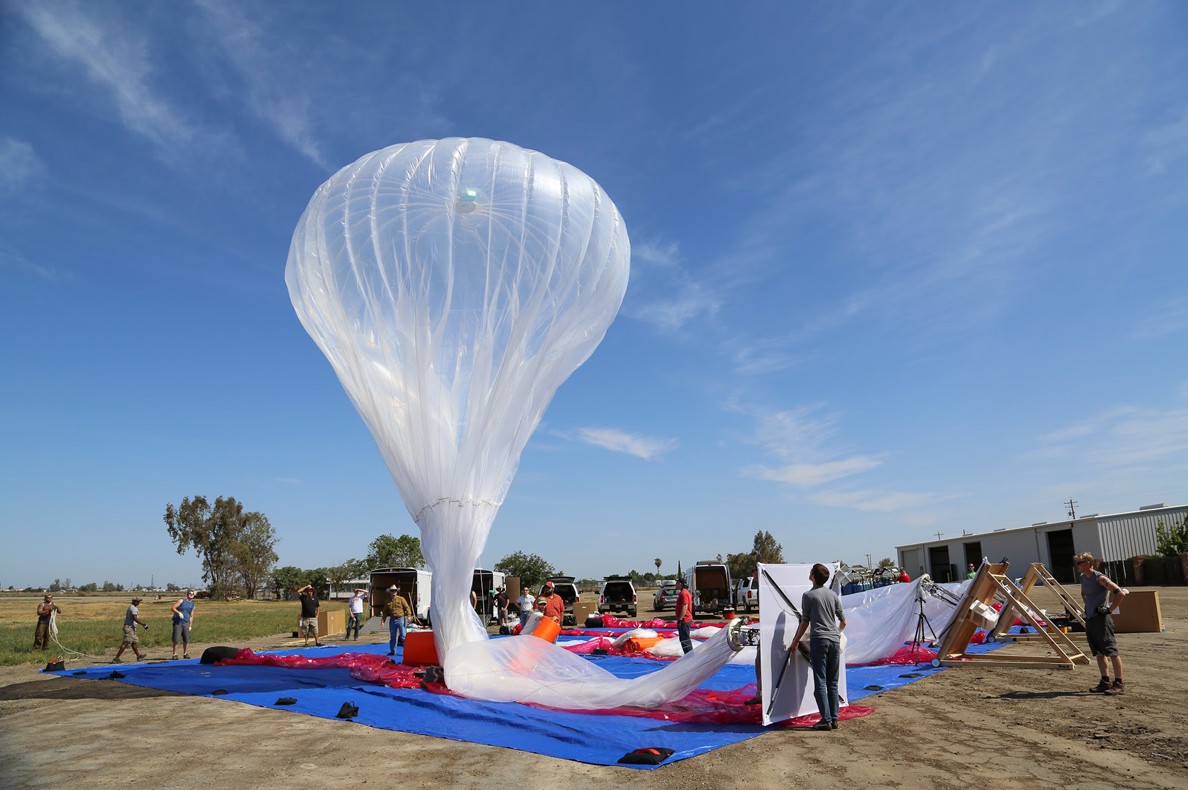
454, 285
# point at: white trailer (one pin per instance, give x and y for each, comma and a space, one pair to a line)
415, 585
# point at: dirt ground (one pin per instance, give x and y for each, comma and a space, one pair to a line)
980, 727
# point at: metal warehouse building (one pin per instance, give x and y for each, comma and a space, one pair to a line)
1117, 536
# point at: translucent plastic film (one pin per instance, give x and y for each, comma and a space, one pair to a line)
527, 669
454, 285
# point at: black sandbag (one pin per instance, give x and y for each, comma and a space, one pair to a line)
647, 756
594, 621
218, 653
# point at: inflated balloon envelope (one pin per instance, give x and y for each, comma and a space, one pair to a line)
454, 285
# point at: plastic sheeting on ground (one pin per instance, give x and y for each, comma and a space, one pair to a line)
596, 738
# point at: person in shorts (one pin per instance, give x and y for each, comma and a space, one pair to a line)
309, 614
131, 640
1101, 596
183, 621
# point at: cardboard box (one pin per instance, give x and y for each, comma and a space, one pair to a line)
331, 621
582, 610
1139, 613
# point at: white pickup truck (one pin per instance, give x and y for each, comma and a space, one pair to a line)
746, 594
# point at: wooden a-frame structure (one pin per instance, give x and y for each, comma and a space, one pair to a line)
991, 581
1036, 572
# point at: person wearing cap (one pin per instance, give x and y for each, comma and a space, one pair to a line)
309, 614
356, 612
554, 604
396, 614
45, 611
183, 620
684, 615
131, 620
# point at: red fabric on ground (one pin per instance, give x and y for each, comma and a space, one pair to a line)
700, 706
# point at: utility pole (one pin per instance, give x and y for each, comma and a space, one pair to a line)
1072, 508
938, 535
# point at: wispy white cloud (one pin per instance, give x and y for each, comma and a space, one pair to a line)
273, 94
800, 442
615, 440
15, 261
877, 501
1123, 438
19, 166
662, 290
811, 475
1167, 144
118, 58
1169, 318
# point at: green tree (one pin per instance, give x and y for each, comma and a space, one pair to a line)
764, 548
531, 568
886, 562
215, 532
1172, 541
88, 587
253, 551
389, 552
287, 579
340, 574
658, 562
56, 585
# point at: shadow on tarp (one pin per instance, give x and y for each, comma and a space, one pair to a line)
598, 739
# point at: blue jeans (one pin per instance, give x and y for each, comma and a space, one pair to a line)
397, 627
355, 621
825, 656
686, 639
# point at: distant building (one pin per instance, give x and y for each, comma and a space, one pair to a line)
1116, 536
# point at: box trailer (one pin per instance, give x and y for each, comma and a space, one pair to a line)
482, 585
415, 585
709, 584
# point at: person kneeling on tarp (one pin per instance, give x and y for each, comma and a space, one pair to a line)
822, 609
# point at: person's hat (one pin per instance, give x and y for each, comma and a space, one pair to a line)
137, 600
682, 583
549, 585
393, 588
360, 589
541, 600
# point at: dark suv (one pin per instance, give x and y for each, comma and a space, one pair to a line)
618, 595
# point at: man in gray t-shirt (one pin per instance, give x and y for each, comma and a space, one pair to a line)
131, 620
822, 610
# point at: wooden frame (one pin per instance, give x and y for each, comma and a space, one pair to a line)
1036, 572
990, 582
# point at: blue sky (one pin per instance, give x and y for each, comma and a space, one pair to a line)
896, 269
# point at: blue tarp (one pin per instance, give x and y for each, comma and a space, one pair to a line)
598, 739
